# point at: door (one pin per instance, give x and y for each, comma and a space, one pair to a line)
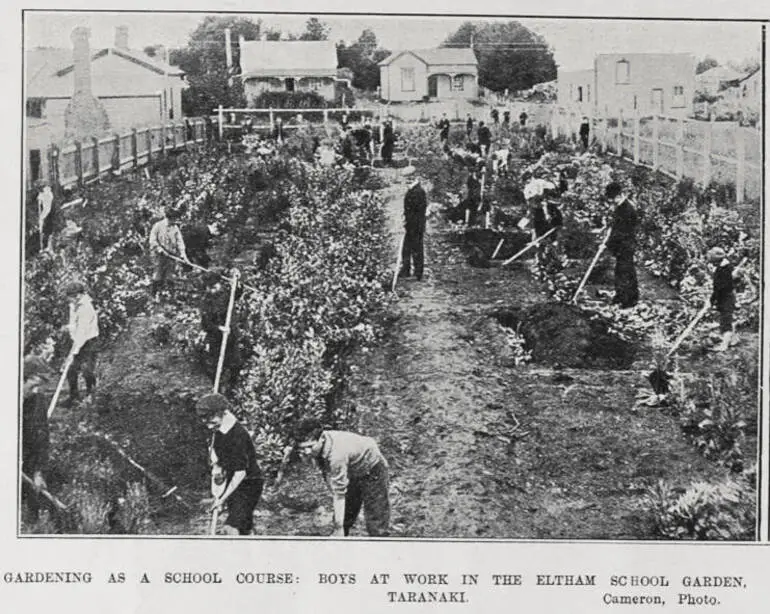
657, 100
289, 85
433, 86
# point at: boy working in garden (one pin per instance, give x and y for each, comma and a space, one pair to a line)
165, 241
354, 470
723, 294
34, 431
83, 328
236, 476
622, 244
413, 253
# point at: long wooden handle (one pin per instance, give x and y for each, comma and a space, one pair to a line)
690, 327
399, 260
226, 332
56, 503
529, 246
497, 249
214, 520
60, 385
599, 252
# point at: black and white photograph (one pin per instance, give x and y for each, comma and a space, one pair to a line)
383, 277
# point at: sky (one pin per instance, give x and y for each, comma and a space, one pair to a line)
575, 41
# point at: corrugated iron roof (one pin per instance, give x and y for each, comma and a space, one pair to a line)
722, 73
265, 58
47, 69
438, 55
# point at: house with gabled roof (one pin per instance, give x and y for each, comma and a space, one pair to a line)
714, 80
443, 73
288, 66
81, 93
134, 89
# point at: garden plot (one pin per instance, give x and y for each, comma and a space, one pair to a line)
564, 335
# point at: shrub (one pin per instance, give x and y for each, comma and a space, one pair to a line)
712, 414
289, 100
718, 511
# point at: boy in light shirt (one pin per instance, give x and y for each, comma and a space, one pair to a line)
354, 470
83, 328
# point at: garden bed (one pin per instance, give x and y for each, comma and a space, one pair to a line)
564, 335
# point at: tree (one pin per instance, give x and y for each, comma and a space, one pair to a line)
705, 64
362, 58
154, 51
205, 64
315, 30
510, 55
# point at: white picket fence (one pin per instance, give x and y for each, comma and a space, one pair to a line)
678, 147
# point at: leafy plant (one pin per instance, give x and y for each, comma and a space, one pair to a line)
719, 511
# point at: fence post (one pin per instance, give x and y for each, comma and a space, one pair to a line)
619, 135
221, 120
148, 135
680, 148
79, 163
116, 152
272, 119
173, 136
740, 171
655, 144
326, 117
95, 155
636, 137
135, 147
707, 145
163, 139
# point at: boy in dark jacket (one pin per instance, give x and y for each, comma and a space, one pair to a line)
236, 476
413, 253
34, 431
723, 294
622, 244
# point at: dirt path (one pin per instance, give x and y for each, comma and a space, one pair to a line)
478, 447
481, 449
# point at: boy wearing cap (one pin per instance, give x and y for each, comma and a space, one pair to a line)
723, 294
83, 328
166, 240
622, 244
34, 429
354, 470
236, 476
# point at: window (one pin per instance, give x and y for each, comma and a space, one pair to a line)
678, 99
35, 107
580, 93
622, 71
407, 79
458, 83
588, 93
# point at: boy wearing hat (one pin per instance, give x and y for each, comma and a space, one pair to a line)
34, 429
356, 473
236, 476
723, 294
622, 244
83, 328
166, 240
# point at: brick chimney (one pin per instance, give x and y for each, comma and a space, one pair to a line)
84, 116
121, 37
81, 58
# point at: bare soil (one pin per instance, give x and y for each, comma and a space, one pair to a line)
478, 447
